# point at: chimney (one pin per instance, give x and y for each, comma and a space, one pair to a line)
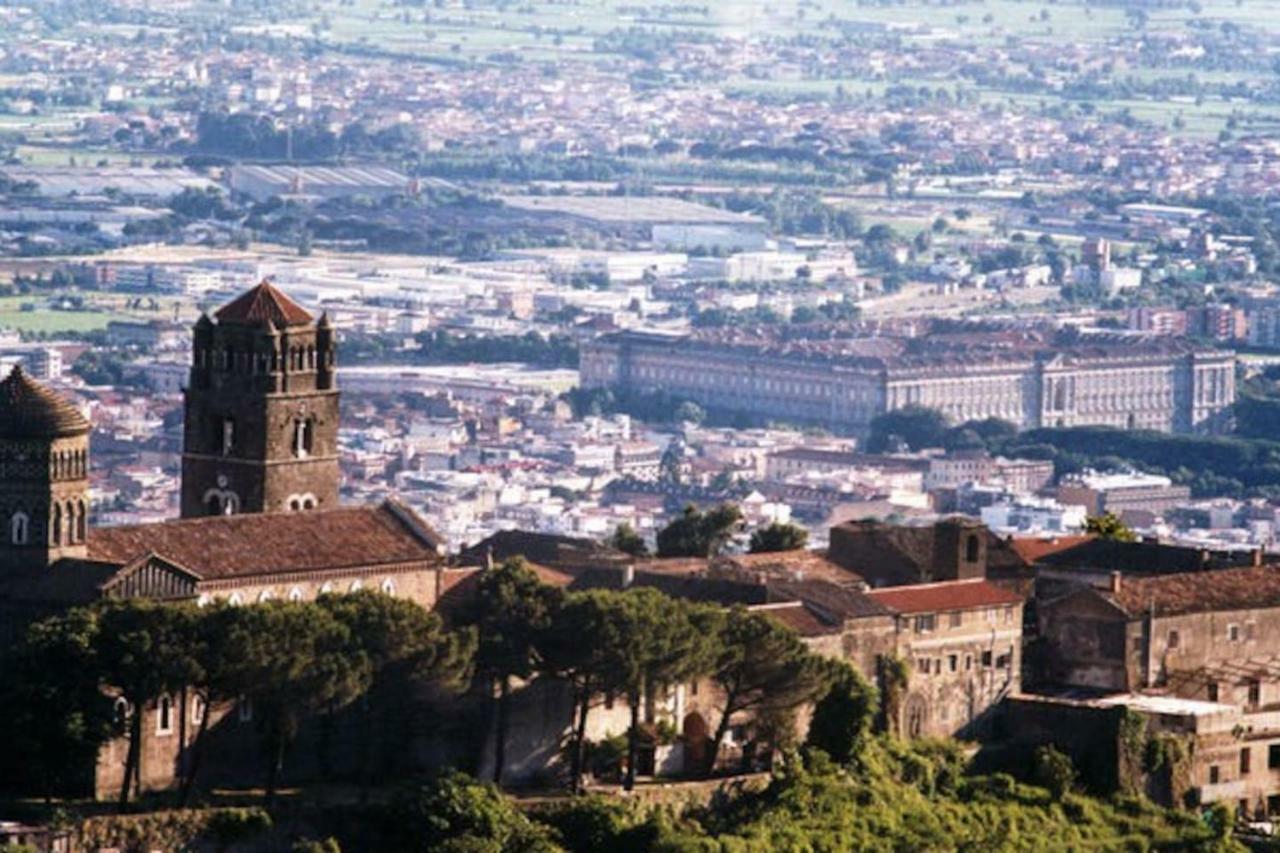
1116, 579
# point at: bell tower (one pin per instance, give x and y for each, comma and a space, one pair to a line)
44, 476
261, 427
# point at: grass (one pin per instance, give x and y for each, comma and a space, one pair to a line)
47, 320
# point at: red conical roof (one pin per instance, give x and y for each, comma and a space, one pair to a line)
30, 410
264, 304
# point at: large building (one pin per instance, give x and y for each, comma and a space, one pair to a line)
260, 514
1032, 379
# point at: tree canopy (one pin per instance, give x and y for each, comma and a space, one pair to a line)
699, 534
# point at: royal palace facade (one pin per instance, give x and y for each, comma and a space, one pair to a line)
1030, 379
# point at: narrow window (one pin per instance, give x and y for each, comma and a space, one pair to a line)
164, 716
1213, 774
957, 618
1233, 633
197, 709
1255, 693
1174, 639
1273, 756
1213, 691
244, 709
1246, 758
227, 436
19, 528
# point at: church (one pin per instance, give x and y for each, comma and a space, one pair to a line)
259, 510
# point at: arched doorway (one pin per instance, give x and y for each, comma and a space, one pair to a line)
696, 741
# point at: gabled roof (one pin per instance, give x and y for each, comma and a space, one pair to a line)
1151, 558
246, 545
29, 409
264, 304
944, 596
1199, 592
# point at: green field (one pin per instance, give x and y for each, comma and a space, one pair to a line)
47, 320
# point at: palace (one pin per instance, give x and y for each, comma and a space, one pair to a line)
1029, 378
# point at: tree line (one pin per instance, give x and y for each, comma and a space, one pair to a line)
636, 645
81, 678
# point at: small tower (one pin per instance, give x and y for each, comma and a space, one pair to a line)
44, 475
261, 429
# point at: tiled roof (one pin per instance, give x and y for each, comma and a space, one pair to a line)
545, 549
264, 305
1198, 592
1035, 548
255, 544
797, 617
31, 410
943, 596
835, 601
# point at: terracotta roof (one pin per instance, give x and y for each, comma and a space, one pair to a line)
264, 304
834, 601
799, 564
1149, 558
943, 596
1198, 592
31, 410
797, 617
253, 544
1034, 548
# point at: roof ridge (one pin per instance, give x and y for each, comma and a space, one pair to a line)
264, 303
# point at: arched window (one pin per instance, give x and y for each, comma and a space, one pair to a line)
295, 505
197, 709
55, 525
304, 435
19, 529
213, 504
295, 594
388, 586
120, 711
356, 585
265, 595
235, 600
164, 715
82, 522
203, 600
326, 589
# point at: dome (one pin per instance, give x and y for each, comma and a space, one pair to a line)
30, 410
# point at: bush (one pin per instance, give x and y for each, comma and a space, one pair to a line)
1055, 772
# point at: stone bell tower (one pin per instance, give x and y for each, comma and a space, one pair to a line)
44, 475
261, 428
